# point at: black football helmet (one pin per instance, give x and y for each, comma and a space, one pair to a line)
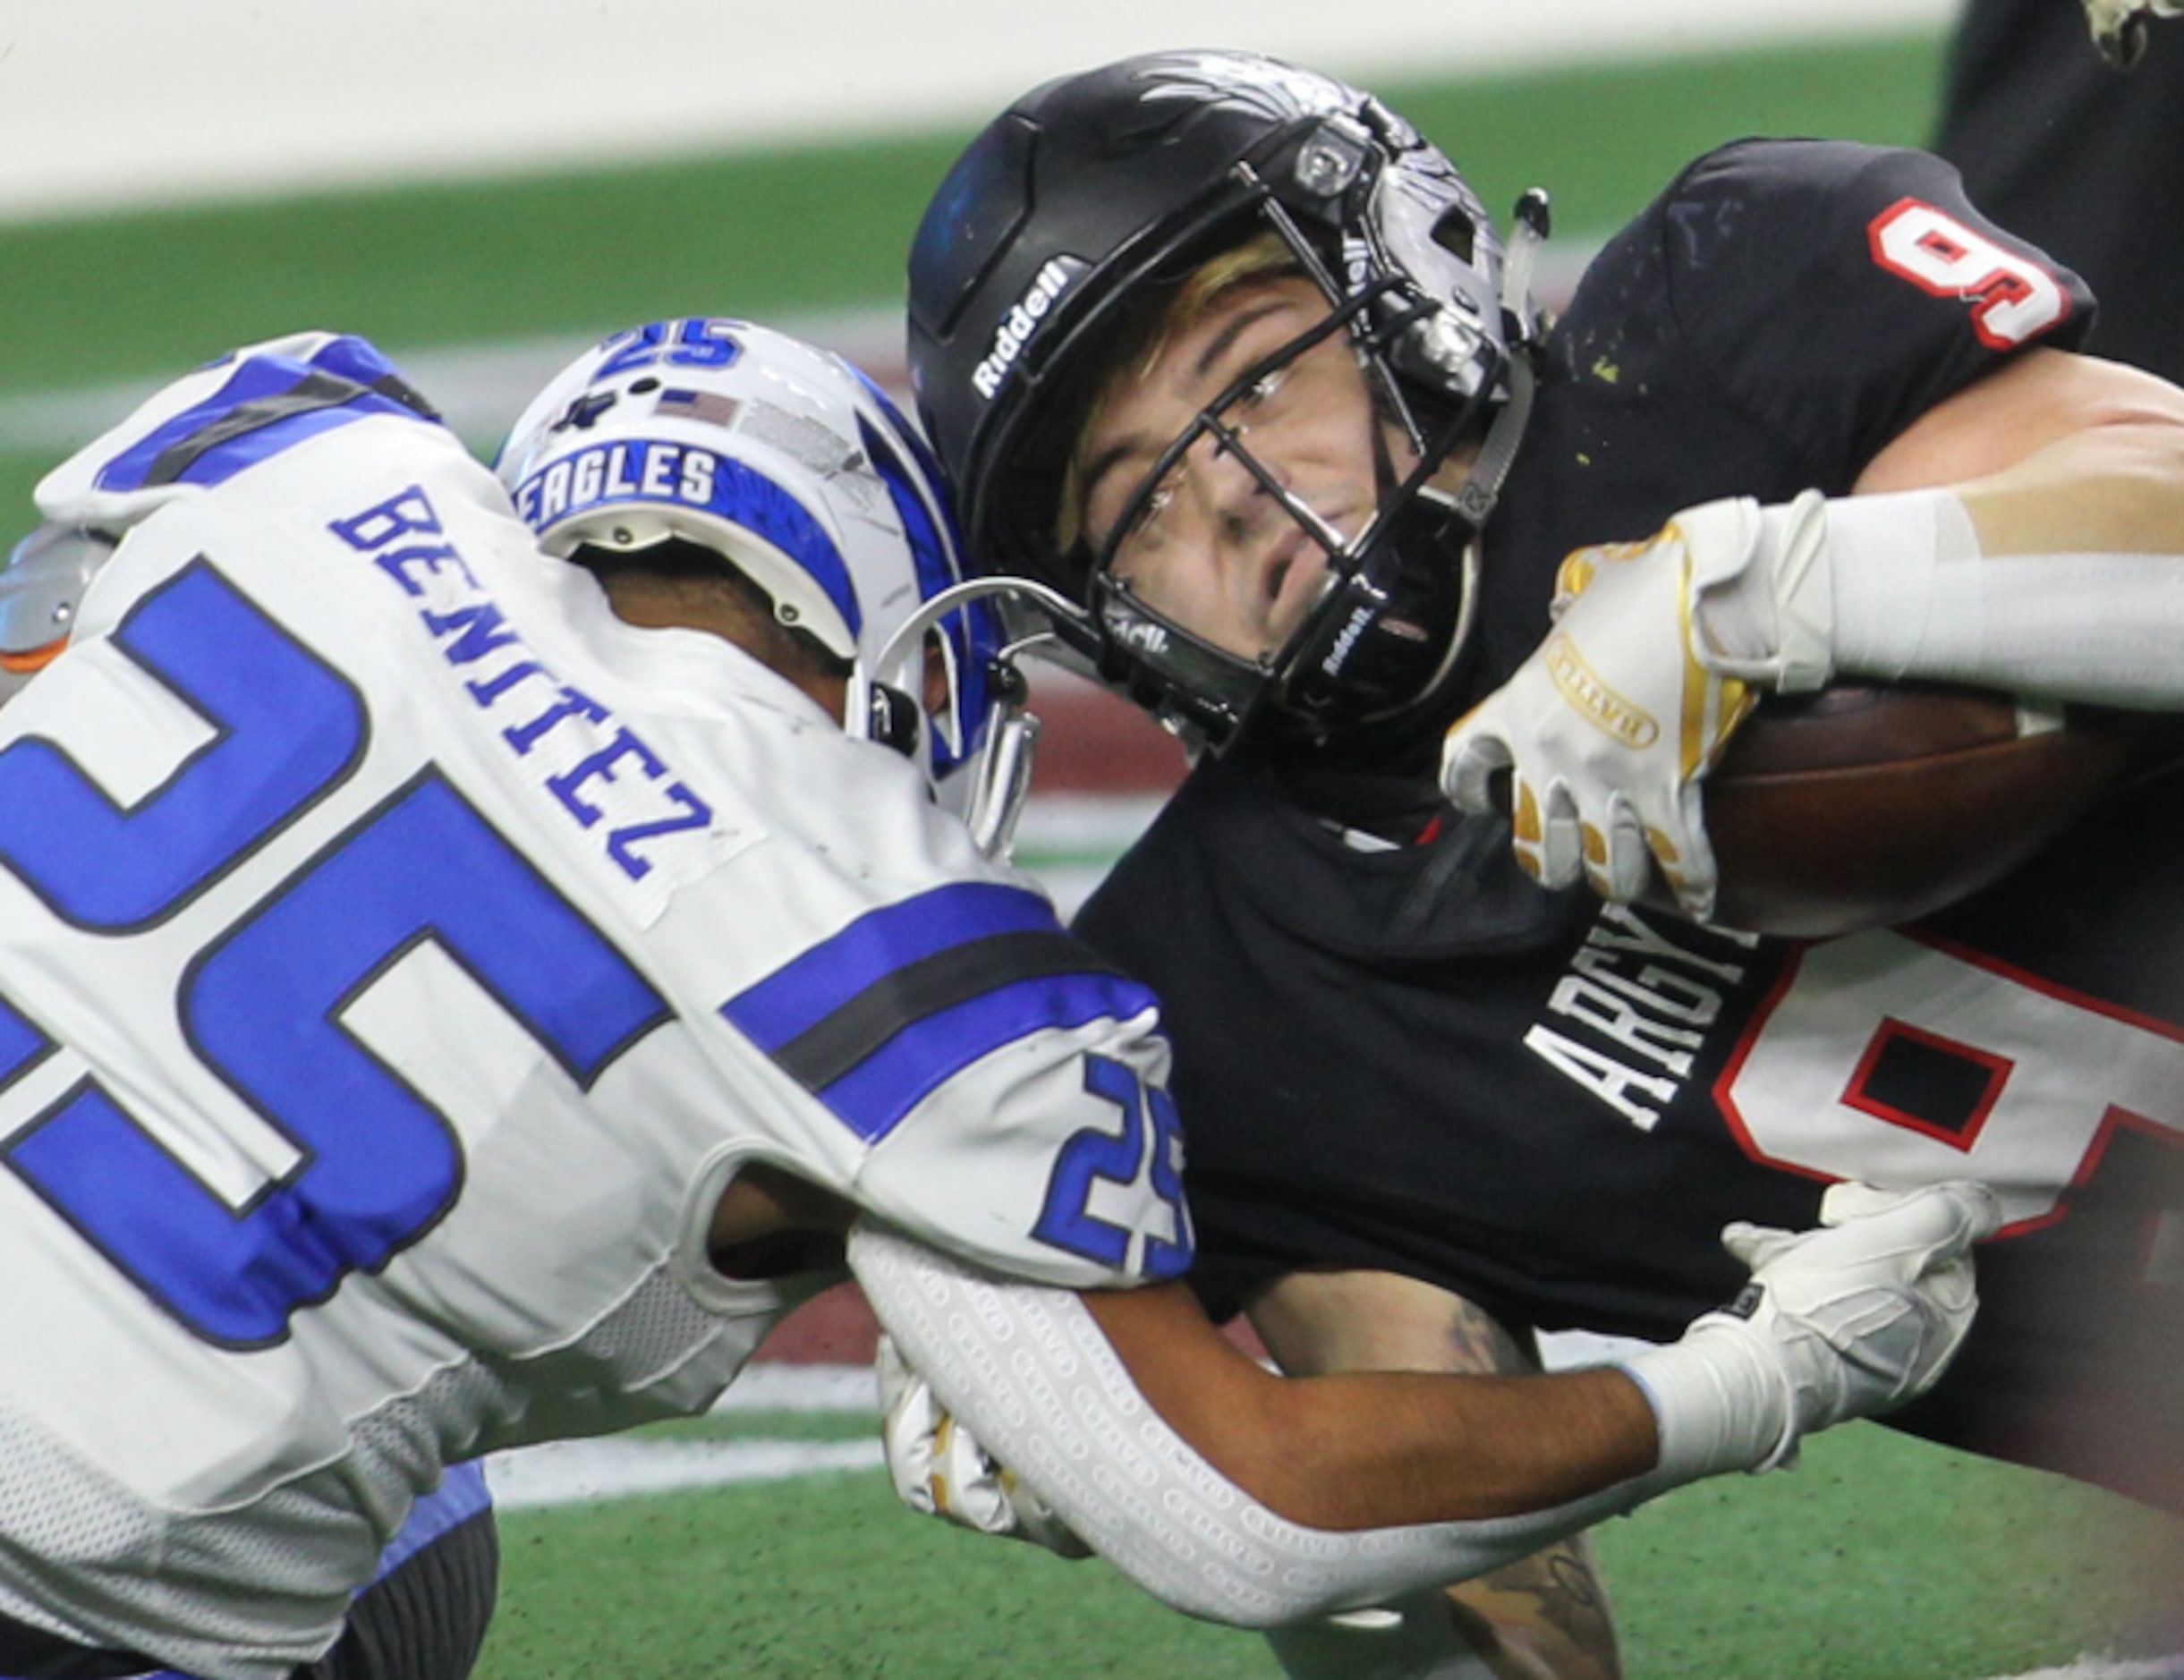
1096, 191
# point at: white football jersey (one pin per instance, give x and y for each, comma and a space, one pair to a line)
399, 954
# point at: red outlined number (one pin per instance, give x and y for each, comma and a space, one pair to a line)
2013, 299
2019, 1083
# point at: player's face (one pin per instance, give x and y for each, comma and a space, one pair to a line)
1210, 547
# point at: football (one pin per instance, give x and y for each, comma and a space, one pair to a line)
1862, 806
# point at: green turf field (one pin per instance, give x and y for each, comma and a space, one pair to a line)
1876, 1560
136, 298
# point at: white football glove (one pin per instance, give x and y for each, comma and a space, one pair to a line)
2120, 26
1612, 724
1847, 1320
940, 1470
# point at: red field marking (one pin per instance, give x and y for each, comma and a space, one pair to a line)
1093, 742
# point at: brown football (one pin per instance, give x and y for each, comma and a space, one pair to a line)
1862, 806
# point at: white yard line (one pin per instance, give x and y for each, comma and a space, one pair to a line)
108, 103
583, 1473
571, 1473
479, 388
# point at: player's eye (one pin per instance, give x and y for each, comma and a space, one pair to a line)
1255, 405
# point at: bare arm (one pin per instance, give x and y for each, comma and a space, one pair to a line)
2026, 535
1235, 1494
2052, 453
1373, 1449
1545, 1615
1138, 1429
1369, 1450
2026, 407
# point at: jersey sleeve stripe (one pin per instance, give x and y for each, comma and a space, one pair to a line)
793, 1000
828, 1050
897, 1073
271, 403
876, 1019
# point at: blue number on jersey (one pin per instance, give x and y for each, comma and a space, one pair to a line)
876, 1019
1093, 1155
262, 1007
287, 731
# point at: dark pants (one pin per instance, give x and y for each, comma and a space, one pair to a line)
423, 1619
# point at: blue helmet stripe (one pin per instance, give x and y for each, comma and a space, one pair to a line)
745, 497
912, 440
929, 527
931, 550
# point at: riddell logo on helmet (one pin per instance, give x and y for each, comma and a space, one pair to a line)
1346, 643
1019, 324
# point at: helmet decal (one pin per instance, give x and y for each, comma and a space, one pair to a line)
1021, 322
1263, 88
783, 459
651, 473
971, 638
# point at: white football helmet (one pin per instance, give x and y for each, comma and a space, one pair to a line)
797, 469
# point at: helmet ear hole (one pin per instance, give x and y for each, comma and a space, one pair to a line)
1458, 235
941, 688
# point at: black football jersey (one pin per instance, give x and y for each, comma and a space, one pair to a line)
1414, 1058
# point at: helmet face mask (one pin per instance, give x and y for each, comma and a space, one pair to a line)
1406, 617
1097, 193
793, 468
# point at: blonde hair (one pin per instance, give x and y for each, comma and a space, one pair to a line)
1265, 257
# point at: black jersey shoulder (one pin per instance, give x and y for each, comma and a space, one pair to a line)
1244, 856
1836, 291
1740, 337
